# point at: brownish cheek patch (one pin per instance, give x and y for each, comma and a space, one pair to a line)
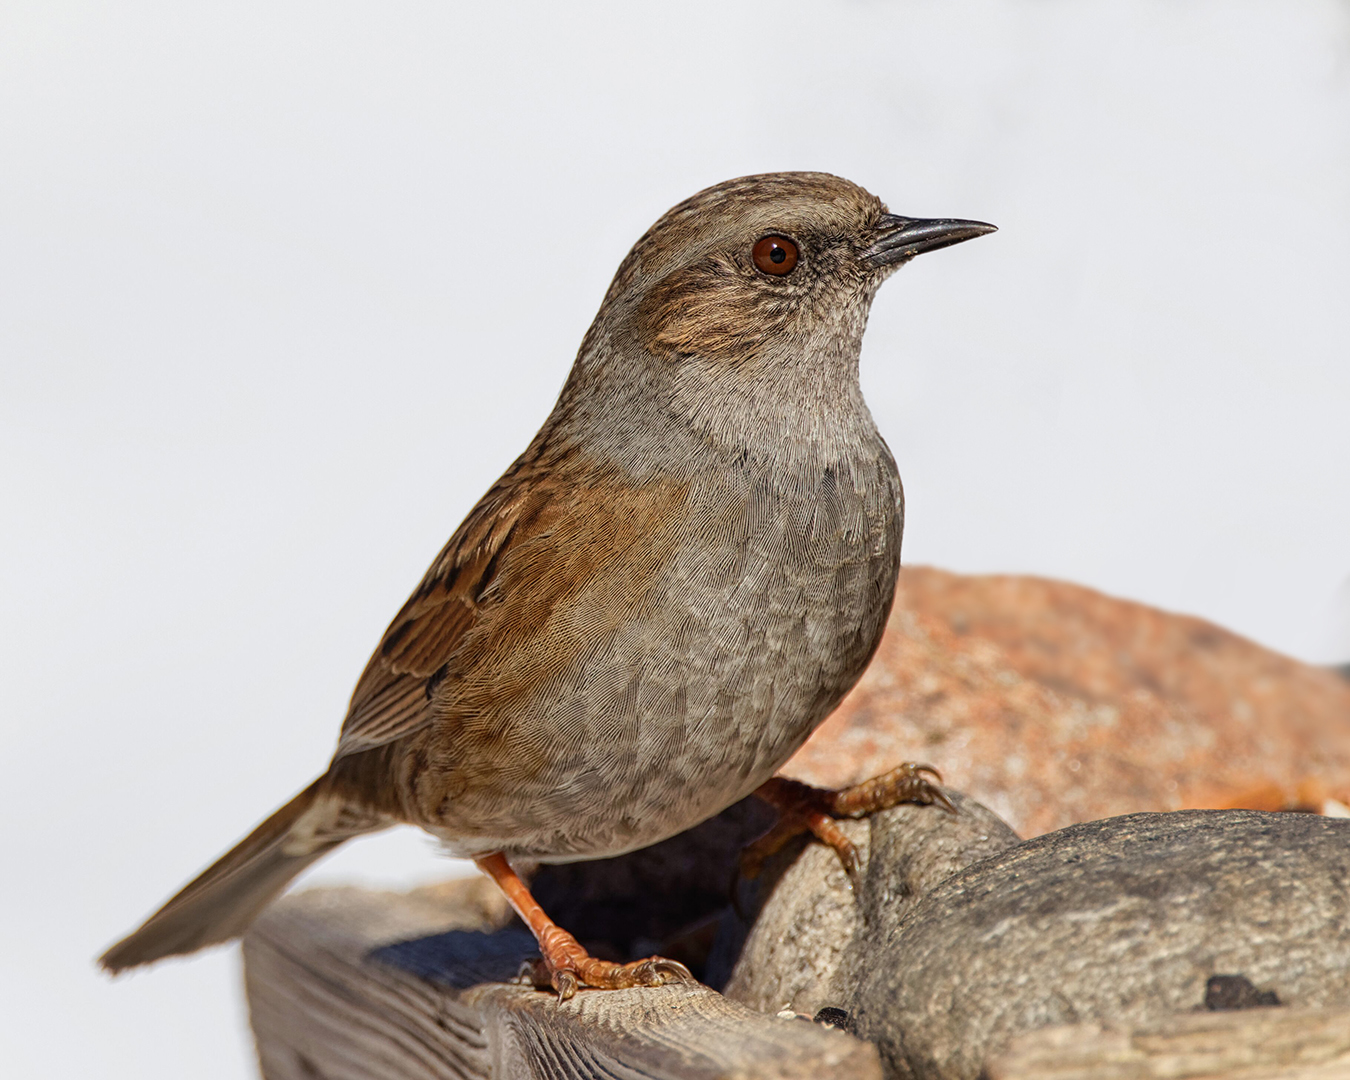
707, 310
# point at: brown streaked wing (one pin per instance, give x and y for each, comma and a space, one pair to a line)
391, 699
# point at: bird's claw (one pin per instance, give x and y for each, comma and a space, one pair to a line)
588, 972
907, 783
657, 971
803, 808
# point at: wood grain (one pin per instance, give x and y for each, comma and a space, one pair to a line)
344, 983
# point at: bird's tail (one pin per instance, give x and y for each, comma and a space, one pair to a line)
226, 897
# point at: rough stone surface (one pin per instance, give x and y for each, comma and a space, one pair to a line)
1119, 922
799, 953
1246, 1044
792, 956
1052, 703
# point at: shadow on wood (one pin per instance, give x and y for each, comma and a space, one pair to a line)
344, 983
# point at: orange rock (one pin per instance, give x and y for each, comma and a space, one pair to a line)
1052, 703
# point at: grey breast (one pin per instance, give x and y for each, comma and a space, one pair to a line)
765, 619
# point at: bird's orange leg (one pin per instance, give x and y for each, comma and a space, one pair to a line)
566, 966
803, 808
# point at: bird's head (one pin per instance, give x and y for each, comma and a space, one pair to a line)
767, 259
754, 294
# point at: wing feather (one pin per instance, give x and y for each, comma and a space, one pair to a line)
392, 696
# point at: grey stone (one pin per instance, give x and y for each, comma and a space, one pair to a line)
962, 937
1121, 921
792, 956
809, 922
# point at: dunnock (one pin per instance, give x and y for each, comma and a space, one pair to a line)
659, 600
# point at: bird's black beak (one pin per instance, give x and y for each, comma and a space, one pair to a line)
901, 238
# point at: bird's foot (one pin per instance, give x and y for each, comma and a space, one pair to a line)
566, 967
803, 808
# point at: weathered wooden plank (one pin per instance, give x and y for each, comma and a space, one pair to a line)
344, 983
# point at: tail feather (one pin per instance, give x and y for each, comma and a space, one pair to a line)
221, 902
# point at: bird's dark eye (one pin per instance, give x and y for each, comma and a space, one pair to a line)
775, 255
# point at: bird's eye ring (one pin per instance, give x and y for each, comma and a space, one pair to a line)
775, 255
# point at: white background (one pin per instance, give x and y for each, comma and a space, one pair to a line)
283, 287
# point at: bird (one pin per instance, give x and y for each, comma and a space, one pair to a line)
680, 577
